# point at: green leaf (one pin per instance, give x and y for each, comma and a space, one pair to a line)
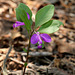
42, 44
25, 64
44, 15
26, 8
17, 15
50, 27
25, 50
24, 18
21, 15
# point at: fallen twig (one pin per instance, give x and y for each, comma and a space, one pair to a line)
37, 54
4, 62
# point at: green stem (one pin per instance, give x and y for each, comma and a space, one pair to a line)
27, 53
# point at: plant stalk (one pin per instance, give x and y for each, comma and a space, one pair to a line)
27, 54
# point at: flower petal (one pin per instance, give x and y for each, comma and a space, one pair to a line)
28, 16
18, 24
39, 41
34, 39
39, 46
45, 37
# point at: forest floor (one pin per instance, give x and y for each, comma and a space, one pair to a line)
56, 58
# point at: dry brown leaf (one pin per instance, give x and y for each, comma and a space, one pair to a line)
65, 47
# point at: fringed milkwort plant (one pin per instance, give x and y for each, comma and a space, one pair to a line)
43, 25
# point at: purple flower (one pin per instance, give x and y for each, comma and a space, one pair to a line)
37, 38
20, 23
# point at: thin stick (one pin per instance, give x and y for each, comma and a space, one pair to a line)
4, 65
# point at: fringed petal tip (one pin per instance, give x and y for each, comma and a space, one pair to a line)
39, 46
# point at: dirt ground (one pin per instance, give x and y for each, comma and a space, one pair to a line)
56, 58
